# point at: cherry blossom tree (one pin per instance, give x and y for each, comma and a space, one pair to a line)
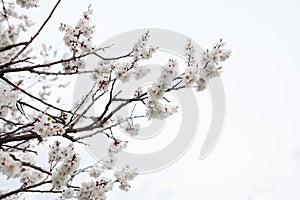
31, 117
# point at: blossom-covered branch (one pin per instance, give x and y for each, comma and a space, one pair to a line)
32, 117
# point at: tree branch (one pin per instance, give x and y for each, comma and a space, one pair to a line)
37, 33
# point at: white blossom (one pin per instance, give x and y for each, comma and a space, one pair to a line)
27, 3
141, 50
218, 53
122, 71
8, 166
67, 193
79, 40
132, 129
46, 126
169, 71
140, 72
117, 146
30, 113
189, 53
94, 190
157, 90
56, 152
103, 69
138, 91
201, 84
191, 76
8, 99
30, 178
157, 110
74, 64
118, 119
69, 164
125, 175
109, 161
96, 171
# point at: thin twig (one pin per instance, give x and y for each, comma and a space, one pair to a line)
37, 33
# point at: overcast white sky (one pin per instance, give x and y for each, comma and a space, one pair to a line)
258, 156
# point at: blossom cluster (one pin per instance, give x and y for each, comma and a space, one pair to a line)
13, 168
127, 125
95, 190
10, 33
141, 49
30, 177
8, 99
155, 108
189, 53
124, 71
46, 126
8, 166
102, 70
109, 161
36, 122
217, 54
99, 185
69, 160
158, 110
132, 129
79, 40
27, 3
7, 38
125, 175
199, 74
168, 73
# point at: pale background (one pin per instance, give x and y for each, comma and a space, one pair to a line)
258, 156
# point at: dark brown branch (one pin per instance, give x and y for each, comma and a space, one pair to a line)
10, 122
43, 191
36, 109
5, 14
13, 63
81, 104
26, 137
17, 129
87, 109
28, 68
28, 164
30, 95
109, 101
116, 58
37, 33
21, 149
60, 73
22, 189
8, 47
